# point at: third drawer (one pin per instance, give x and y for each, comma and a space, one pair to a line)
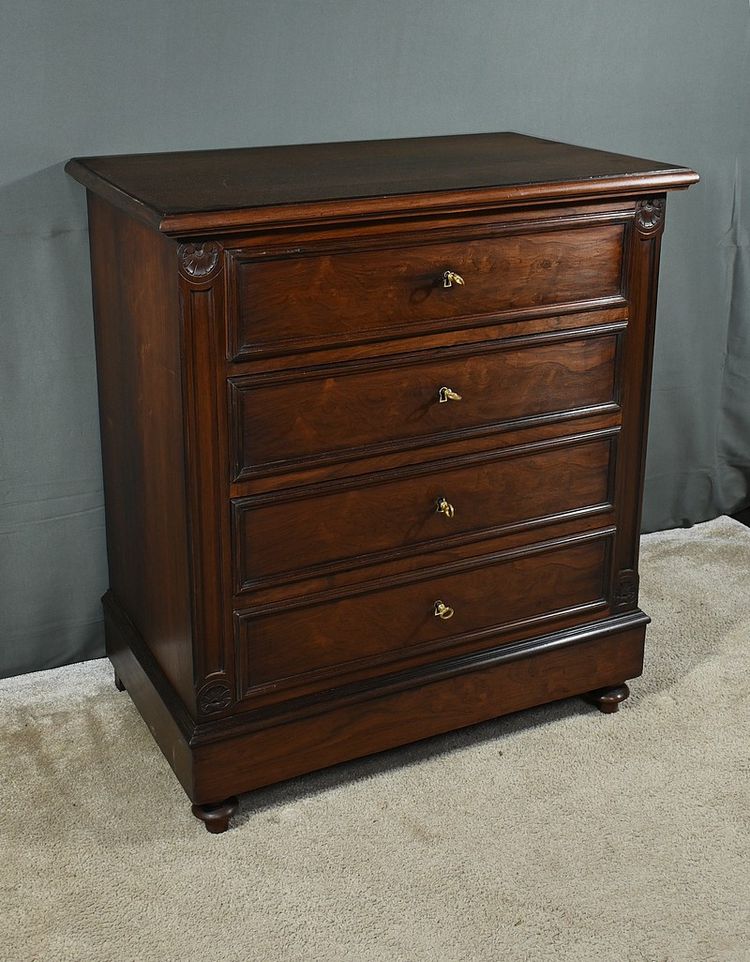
308, 531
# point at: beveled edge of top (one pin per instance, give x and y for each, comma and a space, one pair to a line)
662, 178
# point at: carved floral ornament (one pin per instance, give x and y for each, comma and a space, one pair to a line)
198, 260
214, 698
649, 215
626, 588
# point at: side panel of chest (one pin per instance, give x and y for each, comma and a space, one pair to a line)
140, 379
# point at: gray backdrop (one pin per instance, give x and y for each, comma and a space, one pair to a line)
667, 80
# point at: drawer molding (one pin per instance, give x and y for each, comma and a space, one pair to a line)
361, 668
424, 574
408, 359
255, 719
280, 318
239, 388
256, 325
291, 346
243, 506
317, 674
463, 434
302, 491
426, 231
148, 686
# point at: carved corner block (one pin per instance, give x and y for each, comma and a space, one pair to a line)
625, 589
214, 698
649, 216
199, 261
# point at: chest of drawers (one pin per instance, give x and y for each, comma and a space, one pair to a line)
373, 422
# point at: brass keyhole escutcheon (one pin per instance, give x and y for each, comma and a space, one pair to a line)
443, 611
447, 394
445, 507
450, 278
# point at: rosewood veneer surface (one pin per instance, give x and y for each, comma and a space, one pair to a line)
373, 430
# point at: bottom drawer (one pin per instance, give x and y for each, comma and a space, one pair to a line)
431, 610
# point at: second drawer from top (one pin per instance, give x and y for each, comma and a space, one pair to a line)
340, 412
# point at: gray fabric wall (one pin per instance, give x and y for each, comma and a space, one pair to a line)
666, 80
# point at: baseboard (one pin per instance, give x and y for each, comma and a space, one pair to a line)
243, 752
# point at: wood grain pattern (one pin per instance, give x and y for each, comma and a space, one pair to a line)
491, 687
284, 534
643, 252
145, 681
334, 413
136, 316
277, 363
212, 759
524, 431
410, 338
288, 304
202, 304
485, 598
231, 189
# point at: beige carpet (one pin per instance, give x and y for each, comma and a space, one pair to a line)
557, 834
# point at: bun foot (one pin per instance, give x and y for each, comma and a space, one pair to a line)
216, 817
118, 683
608, 700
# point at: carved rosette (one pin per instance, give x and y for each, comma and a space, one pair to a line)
625, 592
649, 215
199, 260
214, 698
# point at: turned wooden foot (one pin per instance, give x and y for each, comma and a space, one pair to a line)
118, 683
216, 817
608, 700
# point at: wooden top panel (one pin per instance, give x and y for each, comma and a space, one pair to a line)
188, 189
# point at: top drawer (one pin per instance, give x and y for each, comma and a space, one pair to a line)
287, 304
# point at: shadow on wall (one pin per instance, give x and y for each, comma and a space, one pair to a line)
52, 546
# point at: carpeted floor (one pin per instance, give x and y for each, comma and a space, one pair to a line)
557, 834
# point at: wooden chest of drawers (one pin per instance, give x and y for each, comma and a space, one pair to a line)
373, 423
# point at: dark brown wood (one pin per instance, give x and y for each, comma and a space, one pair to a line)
644, 249
257, 758
207, 189
286, 304
521, 436
118, 683
381, 621
284, 536
410, 339
275, 448
383, 406
136, 314
201, 288
216, 817
147, 685
301, 735
608, 700
486, 596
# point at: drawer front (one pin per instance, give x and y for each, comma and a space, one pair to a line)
326, 300
389, 623
334, 413
310, 531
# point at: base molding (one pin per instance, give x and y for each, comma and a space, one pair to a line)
243, 752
